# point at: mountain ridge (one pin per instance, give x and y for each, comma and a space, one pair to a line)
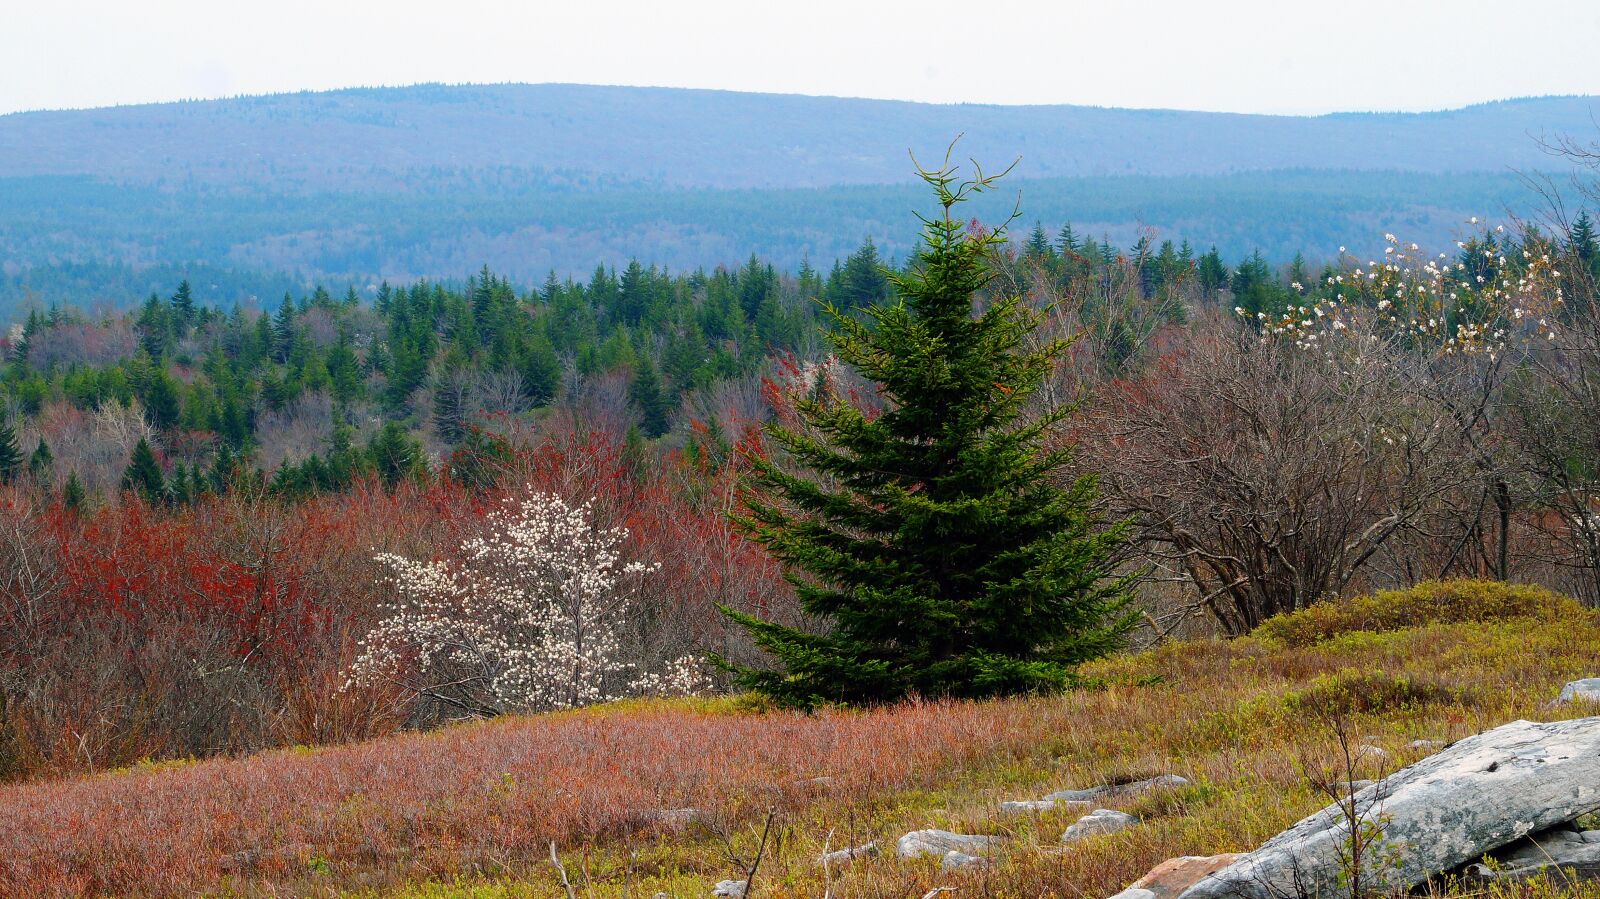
358, 137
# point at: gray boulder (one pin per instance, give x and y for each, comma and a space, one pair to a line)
940, 843
1027, 806
1567, 850
1101, 820
1587, 690
1108, 791
1437, 815
1035, 806
955, 861
838, 858
729, 889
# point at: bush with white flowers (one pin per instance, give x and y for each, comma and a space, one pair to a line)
531, 616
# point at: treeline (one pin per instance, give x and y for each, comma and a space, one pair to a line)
179, 398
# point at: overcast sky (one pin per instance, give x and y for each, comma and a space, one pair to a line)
1279, 56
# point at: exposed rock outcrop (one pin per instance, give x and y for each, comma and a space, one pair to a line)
838, 858
940, 843
1101, 820
1119, 791
1568, 850
955, 861
1443, 812
1169, 879
1587, 690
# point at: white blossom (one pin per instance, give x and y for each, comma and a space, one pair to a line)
533, 616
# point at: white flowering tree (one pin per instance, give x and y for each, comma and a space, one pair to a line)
531, 616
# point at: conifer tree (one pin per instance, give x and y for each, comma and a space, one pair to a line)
645, 392
1066, 241
394, 454
183, 305
40, 463
143, 475
1038, 245
933, 537
73, 496
10, 454
1213, 273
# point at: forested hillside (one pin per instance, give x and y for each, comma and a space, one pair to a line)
584, 136
257, 195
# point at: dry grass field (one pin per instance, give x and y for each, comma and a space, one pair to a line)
471, 810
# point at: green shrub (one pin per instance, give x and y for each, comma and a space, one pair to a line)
1366, 692
1431, 602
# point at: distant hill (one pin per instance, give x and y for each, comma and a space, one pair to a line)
698, 138
436, 180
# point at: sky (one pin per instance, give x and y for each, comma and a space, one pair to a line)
1267, 56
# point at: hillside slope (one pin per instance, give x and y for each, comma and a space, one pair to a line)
591, 135
471, 810
355, 186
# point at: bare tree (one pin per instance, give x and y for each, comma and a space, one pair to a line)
1263, 476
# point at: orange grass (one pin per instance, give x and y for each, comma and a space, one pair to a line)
483, 801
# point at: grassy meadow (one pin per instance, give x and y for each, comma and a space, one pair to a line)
471, 810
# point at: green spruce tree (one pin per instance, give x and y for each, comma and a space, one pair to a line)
933, 537
73, 497
10, 454
645, 392
143, 475
41, 462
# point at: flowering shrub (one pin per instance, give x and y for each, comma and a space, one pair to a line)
531, 616
1493, 291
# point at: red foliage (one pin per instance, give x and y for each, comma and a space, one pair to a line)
469, 797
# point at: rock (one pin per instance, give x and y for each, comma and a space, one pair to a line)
729, 889
1586, 690
838, 858
954, 861
1027, 806
1118, 790
1429, 745
1368, 751
1169, 879
940, 842
1530, 856
1034, 806
1101, 820
1436, 815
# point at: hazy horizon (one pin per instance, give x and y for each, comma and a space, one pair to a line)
1248, 56
1488, 101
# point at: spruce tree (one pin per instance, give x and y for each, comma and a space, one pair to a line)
1038, 245
73, 496
646, 394
41, 462
933, 537
10, 454
183, 308
143, 475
